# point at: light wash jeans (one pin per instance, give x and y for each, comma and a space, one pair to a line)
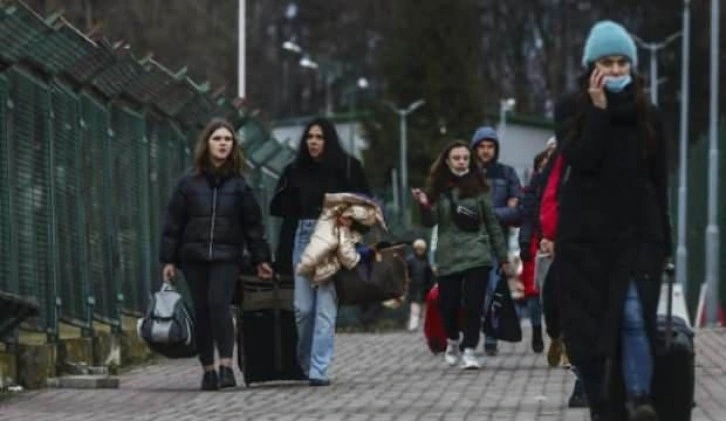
316, 308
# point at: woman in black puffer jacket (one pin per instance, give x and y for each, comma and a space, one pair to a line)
211, 217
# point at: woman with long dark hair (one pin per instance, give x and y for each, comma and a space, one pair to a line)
612, 250
469, 235
211, 217
321, 166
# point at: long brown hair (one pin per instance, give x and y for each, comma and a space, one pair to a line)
649, 141
235, 163
440, 177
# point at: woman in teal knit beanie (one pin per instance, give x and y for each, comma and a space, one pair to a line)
616, 234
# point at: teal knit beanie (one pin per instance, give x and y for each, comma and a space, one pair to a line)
608, 38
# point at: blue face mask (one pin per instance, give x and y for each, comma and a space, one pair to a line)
617, 84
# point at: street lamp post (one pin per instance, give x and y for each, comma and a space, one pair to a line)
505, 106
402, 114
681, 250
241, 49
329, 70
361, 83
712, 230
653, 47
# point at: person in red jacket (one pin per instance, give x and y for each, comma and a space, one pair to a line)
529, 237
556, 174
548, 226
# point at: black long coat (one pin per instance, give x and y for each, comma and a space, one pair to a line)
615, 225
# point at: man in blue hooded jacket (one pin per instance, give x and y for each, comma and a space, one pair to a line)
506, 191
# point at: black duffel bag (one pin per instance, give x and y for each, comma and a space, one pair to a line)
383, 278
501, 320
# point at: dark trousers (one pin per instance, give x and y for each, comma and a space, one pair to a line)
549, 304
212, 286
463, 291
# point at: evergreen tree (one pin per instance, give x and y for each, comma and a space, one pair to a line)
430, 52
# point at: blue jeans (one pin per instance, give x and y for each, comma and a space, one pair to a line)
491, 286
316, 307
534, 310
636, 360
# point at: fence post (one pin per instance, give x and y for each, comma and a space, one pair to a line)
14, 281
54, 301
146, 258
113, 280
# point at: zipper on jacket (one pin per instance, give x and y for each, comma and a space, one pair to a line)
214, 217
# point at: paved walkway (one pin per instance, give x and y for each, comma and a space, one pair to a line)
376, 377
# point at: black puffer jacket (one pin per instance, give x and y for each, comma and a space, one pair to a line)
211, 218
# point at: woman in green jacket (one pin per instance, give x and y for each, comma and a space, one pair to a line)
457, 198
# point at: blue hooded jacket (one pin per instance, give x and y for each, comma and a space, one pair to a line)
502, 178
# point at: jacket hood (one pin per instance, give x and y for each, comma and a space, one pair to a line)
485, 133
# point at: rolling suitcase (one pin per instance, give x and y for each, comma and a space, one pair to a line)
674, 365
434, 330
266, 331
433, 325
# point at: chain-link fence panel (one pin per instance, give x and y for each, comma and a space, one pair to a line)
30, 181
128, 196
96, 178
68, 195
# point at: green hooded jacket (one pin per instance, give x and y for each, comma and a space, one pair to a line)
460, 250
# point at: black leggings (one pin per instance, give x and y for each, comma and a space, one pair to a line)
463, 291
211, 286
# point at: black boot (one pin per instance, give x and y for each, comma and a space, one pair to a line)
210, 381
578, 399
226, 377
537, 342
601, 411
641, 409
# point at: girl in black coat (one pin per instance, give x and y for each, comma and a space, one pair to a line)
612, 249
211, 217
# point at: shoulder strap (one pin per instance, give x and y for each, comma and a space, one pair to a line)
450, 198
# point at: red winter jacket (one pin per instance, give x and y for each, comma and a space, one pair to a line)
548, 213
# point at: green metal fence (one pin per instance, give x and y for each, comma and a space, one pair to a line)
92, 141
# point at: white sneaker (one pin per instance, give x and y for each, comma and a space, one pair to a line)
469, 361
413, 324
452, 354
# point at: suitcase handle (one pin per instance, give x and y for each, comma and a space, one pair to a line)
669, 273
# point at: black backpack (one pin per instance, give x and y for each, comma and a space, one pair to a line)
167, 328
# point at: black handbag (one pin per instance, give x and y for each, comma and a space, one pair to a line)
501, 320
464, 218
384, 278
